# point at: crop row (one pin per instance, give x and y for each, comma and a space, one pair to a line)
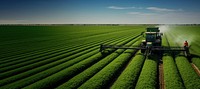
190, 78
66, 42
188, 35
103, 77
129, 77
59, 33
65, 46
83, 48
46, 50
56, 39
148, 76
60, 77
39, 69
188, 75
45, 56
83, 64
172, 78
52, 58
55, 47
76, 81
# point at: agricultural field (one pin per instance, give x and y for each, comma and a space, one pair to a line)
68, 57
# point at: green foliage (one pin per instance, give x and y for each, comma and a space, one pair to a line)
148, 76
75, 58
32, 53
102, 78
172, 78
55, 69
76, 81
190, 78
66, 74
17, 40
50, 58
129, 77
67, 56
196, 61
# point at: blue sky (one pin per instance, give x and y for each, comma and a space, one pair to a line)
99, 11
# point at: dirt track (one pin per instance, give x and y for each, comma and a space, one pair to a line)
196, 69
161, 77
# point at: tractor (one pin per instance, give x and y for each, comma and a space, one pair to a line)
153, 39
151, 45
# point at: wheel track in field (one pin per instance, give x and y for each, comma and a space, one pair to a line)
195, 68
161, 76
161, 70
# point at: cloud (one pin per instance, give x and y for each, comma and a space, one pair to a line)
140, 13
162, 9
157, 9
120, 8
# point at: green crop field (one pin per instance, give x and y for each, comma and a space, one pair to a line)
68, 57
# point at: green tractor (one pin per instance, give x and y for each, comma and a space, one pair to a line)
151, 45
153, 39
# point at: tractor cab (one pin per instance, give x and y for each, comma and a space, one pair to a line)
153, 37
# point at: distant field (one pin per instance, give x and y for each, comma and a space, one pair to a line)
68, 57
